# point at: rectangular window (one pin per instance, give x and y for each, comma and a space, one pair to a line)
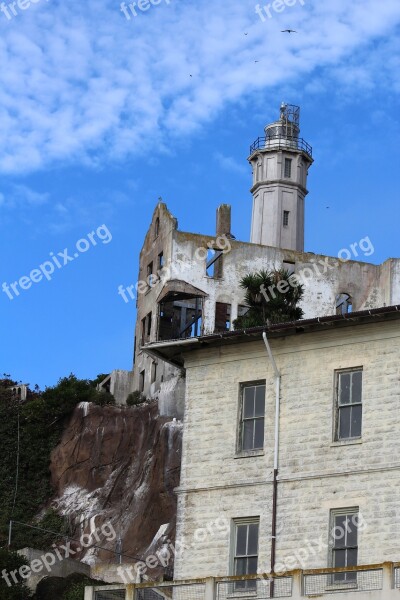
288, 168
222, 316
286, 218
141, 381
160, 261
245, 551
252, 417
149, 319
153, 372
348, 404
344, 542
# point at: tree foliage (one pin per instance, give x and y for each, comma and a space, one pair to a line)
10, 561
272, 297
38, 423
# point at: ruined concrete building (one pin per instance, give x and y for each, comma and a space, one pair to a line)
188, 284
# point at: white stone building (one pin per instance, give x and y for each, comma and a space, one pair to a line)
290, 469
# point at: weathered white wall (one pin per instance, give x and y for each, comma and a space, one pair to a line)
316, 474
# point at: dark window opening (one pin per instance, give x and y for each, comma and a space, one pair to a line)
214, 263
153, 372
151, 277
141, 381
344, 304
156, 228
222, 316
252, 417
289, 266
349, 404
180, 318
160, 261
146, 329
286, 218
288, 168
344, 539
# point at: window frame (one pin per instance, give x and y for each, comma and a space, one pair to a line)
285, 218
338, 407
240, 451
343, 579
287, 168
250, 585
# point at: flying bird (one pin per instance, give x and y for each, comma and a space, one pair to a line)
289, 31
246, 34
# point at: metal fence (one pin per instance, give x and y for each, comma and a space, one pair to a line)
194, 591
259, 589
343, 581
110, 595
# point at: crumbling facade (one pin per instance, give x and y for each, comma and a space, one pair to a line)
188, 284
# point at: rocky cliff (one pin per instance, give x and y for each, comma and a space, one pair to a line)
118, 465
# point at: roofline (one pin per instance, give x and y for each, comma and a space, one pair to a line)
172, 350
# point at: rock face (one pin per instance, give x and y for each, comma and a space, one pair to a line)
118, 466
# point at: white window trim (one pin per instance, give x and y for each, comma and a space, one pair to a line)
335, 437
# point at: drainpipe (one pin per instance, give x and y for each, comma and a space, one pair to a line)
276, 459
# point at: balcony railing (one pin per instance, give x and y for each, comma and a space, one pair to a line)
280, 142
370, 582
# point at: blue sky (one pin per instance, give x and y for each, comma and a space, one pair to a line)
100, 116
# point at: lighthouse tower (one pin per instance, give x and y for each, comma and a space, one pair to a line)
280, 163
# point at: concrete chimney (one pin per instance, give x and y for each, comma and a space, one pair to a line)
224, 220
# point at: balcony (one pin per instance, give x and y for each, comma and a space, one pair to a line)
369, 582
280, 142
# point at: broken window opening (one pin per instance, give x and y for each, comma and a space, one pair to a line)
289, 266
214, 263
142, 376
156, 228
344, 304
153, 372
181, 317
243, 310
160, 261
146, 329
222, 316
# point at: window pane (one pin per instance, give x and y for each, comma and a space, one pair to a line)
351, 532
344, 422
344, 395
252, 566
260, 401
356, 387
339, 558
241, 540
240, 566
352, 558
339, 531
356, 418
248, 430
259, 433
253, 539
248, 402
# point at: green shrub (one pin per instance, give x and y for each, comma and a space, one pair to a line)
135, 398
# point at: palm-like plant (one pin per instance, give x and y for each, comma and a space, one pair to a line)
266, 303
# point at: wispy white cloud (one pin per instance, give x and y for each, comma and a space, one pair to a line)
82, 83
231, 164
